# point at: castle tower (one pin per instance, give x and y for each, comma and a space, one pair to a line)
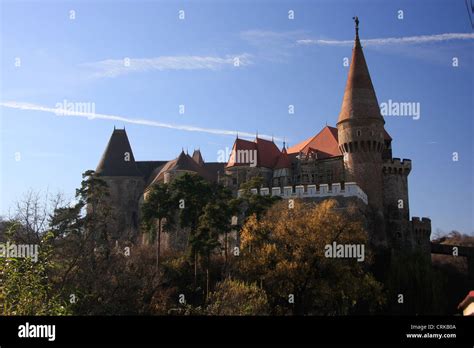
198, 157
119, 170
361, 133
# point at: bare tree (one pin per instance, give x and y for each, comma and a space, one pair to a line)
32, 213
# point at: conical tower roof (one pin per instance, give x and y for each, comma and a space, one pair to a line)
197, 157
118, 159
360, 101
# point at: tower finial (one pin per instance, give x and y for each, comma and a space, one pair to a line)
356, 20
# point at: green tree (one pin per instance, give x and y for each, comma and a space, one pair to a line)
214, 221
83, 240
159, 208
25, 287
191, 194
249, 204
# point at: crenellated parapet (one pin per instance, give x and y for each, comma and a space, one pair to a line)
396, 166
421, 227
421, 232
348, 189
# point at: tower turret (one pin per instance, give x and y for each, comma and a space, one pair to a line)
361, 128
361, 132
118, 169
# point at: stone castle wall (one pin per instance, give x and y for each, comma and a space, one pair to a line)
125, 193
396, 203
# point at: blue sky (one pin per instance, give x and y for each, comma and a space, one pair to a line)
190, 62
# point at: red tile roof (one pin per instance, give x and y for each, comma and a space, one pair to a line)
359, 99
283, 161
240, 144
467, 300
267, 152
324, 142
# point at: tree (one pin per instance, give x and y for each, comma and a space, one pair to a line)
234, 297
158, 207
191, 194
285, 251
25, 288
83, 242
214, 222
249, 203
31, 214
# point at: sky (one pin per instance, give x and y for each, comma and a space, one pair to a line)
231, 66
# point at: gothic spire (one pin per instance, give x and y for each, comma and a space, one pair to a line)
360, 101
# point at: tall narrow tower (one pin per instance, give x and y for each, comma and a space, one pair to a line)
119, 170
361, 131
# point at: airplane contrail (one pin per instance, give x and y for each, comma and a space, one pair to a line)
144, 122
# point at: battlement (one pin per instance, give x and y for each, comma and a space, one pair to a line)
351, 189
396, 166
421, 226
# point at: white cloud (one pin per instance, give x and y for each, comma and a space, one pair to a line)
421, 39
258, 36
116, 67
144, 122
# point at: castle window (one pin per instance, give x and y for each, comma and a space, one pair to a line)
359, 133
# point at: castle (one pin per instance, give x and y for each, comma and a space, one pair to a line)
352, 161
